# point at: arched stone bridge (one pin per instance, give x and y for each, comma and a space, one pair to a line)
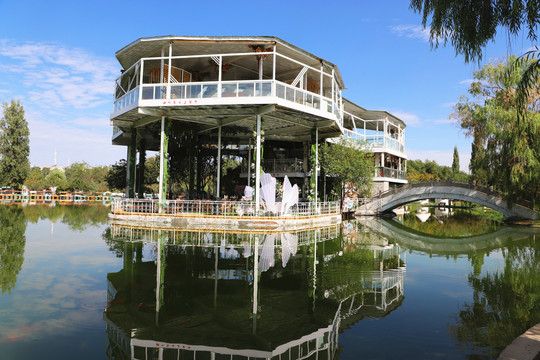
444, 190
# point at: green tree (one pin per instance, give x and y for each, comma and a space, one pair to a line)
506, 150
14, 145
470, 25
348, 163
12, 243
116, 177
56, 178
35, 180
151, 174
455, 162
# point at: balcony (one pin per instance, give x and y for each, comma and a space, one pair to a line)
384, 172
230, 79
374, 141
227, 92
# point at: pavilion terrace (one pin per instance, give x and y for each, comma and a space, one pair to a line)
234, 96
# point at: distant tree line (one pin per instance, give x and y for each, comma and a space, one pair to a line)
429, 170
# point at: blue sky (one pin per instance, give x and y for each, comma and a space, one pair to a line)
57, 57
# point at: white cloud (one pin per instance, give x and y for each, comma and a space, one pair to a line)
467, 82
64, 76
408, 118
444, 121
67, 97
411, 32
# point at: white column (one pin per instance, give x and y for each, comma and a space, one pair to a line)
274, 72
220, 75
261, 62
333, 96
218, 164
160, 249
169, 73
316, 164
255, 284
216, 254
258, 165
141, 80
161, 160
249, 163
385, 130
162, 70
322, 79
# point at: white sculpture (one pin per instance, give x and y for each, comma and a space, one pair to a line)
290, 196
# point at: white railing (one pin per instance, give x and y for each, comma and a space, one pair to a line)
126, 100
228, 89
390, 173
393, 144
231, 237
222, 209
302, 97
374, 141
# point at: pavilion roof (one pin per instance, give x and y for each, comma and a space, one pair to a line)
201, 45
365, 114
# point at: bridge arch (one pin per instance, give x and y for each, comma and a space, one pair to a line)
444, 190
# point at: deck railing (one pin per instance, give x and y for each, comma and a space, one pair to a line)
374, 141
228, 89
390, 173
223, 209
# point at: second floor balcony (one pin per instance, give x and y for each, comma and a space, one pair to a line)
375, 142
233, 79
389, 173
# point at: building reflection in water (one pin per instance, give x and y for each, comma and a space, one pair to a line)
245, 295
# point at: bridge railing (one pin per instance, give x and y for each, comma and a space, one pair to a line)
461, 184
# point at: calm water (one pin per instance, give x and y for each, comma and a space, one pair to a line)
75, 287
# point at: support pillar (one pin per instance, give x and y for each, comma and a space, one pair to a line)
191, 165
218, 187
249, 163
316, 164
198, 178
258, 165
255, 285
313, 163
163, 163
131, 165
142, 164
160, 273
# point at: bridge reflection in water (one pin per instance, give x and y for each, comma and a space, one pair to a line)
220, 295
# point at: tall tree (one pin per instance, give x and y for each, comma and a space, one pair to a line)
14, 145
455, 162
470, 25
348, 162
506, 147
116, 177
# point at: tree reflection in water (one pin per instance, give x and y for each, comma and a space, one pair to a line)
454, 223
13, 221
12, 242
505, 302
